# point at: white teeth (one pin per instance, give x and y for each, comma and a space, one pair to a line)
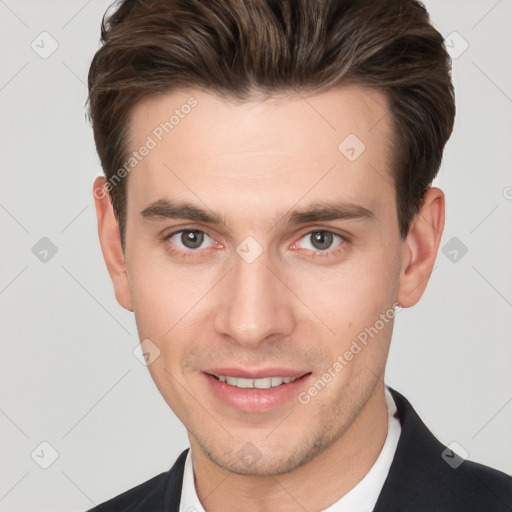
276, 381
244, 383
265, 383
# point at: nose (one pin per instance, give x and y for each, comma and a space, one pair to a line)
255, 304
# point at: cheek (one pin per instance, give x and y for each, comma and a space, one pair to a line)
168, 307
161, 292
355, 292
155, 308
351, 300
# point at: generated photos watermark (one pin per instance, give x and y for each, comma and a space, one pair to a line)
342, 360
156, 137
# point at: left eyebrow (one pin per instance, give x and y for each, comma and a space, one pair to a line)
322, 211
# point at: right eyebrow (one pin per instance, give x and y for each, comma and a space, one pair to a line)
165, 209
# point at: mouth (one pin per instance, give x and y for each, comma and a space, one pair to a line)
256, 391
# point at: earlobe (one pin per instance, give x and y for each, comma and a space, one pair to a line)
110, 241
421, 247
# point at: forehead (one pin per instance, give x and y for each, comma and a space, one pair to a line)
263, 154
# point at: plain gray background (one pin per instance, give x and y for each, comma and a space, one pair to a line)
69, 377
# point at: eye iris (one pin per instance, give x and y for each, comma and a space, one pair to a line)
192, 239
322, 238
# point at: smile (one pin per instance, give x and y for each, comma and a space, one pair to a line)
256, 391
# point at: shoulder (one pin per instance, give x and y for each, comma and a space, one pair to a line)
162, 493
483, 487
471, 487
426, 475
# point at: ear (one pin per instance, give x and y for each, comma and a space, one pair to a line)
110, 240
420, 248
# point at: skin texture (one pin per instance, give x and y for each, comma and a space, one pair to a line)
298, 305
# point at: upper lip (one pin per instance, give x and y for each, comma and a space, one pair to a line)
262, 373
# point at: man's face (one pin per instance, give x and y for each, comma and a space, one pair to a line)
264, 293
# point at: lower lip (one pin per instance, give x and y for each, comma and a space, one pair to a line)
255, 400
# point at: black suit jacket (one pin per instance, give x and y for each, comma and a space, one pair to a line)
422, 478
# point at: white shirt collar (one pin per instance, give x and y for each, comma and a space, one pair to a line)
362, 497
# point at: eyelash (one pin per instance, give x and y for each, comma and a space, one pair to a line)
318, 254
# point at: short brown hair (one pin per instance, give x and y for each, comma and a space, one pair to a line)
237, 48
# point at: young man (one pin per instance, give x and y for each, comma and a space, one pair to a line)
267, 206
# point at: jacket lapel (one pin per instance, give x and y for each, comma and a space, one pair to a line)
173, 490
416, 463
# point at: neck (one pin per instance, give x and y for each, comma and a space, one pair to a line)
313, 486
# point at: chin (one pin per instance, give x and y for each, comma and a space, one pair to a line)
249, 460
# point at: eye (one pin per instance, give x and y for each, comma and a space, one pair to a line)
321, 241
188, 240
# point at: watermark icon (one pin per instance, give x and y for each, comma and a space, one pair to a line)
507, 193
157, 135
454, 455
454, 249
342, 360
249, 454
45, 45
146, 352
44, 250
352, 147
44, 455
249, 250
455, 45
